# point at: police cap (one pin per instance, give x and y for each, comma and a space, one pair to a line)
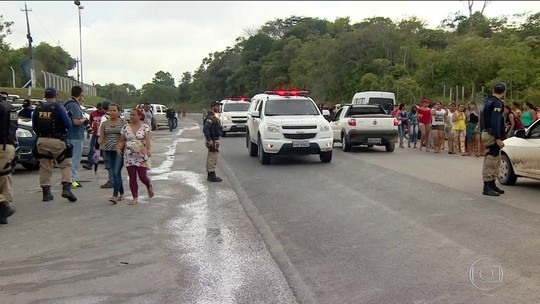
499, 88
50, 93
105, 104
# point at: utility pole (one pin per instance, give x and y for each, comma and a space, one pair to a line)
79, 8
32, 82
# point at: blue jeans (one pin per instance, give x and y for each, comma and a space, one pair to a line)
413, 134
117, 163
76, 158
90, 157
107, 163
401, 132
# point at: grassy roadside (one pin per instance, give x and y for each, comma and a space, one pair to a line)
38, 93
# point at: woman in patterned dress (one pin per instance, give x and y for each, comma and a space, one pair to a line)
135, 143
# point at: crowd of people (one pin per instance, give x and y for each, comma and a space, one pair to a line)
428, 126
60, 127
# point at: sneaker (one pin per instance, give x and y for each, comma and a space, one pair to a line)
87, 167
75, 184
107, 185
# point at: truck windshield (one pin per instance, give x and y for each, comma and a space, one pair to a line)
386, 103
290, 107
366, 110
236, 107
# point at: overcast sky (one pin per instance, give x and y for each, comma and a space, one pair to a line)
127, 42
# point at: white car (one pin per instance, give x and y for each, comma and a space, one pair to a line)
159, 111
234, 115
287, 123
521, 156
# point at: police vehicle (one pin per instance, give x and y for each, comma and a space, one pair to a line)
234, 114
287, 123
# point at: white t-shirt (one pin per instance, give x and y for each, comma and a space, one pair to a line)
103, 119
449, 123
438, 118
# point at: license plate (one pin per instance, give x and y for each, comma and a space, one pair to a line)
300, 144
374, 140
240, 125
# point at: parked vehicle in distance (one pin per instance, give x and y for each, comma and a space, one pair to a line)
159, 111
234, 115
520, 156
361, 124
385, 99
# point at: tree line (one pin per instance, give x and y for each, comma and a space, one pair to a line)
467, 53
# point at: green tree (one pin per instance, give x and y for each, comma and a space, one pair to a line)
164, 79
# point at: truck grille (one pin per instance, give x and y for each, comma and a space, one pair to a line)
298, 127
239, 119
300, 136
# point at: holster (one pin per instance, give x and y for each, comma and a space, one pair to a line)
67, 153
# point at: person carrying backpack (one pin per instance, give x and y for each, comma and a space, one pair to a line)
8, 140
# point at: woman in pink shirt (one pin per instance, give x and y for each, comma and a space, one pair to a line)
424, 122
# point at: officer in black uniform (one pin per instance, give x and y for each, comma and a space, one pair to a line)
492, 121
8, 139
212, 132
51, 122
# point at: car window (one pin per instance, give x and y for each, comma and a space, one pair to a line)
535, 131
235, 107
290, 107
259, 106
338, 113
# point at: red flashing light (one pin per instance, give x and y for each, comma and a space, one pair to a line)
287, 93
237, 98
352, 122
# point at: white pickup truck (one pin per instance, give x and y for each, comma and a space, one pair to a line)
364, 125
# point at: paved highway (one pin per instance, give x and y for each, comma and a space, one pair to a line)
369, 227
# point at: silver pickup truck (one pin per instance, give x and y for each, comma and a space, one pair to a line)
364, 125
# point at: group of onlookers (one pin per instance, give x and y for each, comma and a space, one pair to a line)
428, 125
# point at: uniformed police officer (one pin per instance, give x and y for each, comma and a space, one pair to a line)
492, 136
212, 131
51, 122
8, 137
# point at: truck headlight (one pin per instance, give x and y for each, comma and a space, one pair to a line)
225, 118
324, 128
273, 129
21, 133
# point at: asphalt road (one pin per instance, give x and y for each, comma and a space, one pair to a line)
191, 243
401, 227
369, 227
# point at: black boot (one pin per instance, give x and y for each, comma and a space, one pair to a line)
66, 192
497, 189
213, 178
488, 190
47, 195
5, 212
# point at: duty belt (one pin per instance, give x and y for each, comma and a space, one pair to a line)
57, 136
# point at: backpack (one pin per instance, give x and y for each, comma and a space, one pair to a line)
8, 124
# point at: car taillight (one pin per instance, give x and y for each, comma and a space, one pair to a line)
352, 122
396, 122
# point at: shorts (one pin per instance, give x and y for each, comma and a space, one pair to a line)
471, 130
437, 127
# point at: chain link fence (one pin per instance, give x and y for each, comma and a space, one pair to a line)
65, 84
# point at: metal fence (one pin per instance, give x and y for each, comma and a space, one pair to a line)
65, 84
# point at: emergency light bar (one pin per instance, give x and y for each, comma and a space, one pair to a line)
237, 98
287, 93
